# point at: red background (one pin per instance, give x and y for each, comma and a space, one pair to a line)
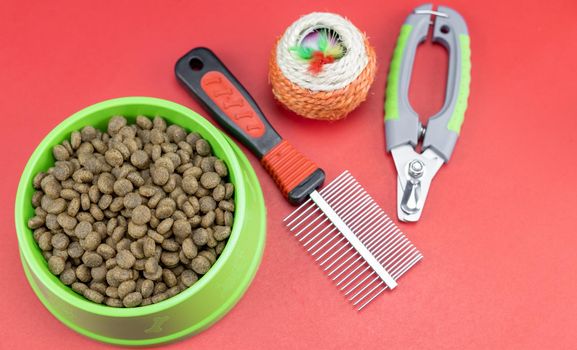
498, 232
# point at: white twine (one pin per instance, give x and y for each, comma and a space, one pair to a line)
334, 75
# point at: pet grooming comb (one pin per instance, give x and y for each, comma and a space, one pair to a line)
353, 239
370, 253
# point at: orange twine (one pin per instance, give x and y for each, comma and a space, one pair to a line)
322, 105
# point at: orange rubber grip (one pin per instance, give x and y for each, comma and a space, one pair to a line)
287, 166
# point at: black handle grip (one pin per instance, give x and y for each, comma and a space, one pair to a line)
229, 103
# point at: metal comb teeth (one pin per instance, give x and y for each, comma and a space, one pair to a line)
353, 240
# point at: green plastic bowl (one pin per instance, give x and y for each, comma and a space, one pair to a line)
189, 312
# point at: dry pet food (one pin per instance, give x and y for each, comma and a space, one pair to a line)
134, 215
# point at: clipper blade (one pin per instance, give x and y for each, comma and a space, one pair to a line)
354, 241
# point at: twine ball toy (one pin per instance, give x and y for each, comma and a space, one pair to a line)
322, 67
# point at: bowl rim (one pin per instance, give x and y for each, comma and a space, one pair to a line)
51, 282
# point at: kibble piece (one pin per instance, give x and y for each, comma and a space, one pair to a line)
117, 204
75, 139
53, 206
66, 221
79, 287
117, 275
110, 263
148, 247
207, 164
165, 162
60, 152
35, 222
219, 247
91, 241
51, 186
93, 295
188, 277
60, 241
209, 180
82, 229
208, 219
156, 138
212, 242
141, 215
229, 190
155, 236
157, 298
85, 149
136, 248
106, 251
155, 276
189, 248
56, 206
151, 265
115, 124
144, 122
218, 193
173, 291
56, 264
105, 183
140, 159
139, 264
126, 288
61, 253
75, 250
125, 259
98, 273
147, 288
123, 244
195, 172
209, 254
113, 302
221, 232
132, 200
200, 265
226, 205
105, 201
136, 231
175, 133
170, 245
82, 176
83, 273
165, 225
228, 218
202, 147
181, 229
123, 187
207, 204
52, 222
92, 259
169, 259
73, 207
220, 168
160, 175
200, 236
98, 286
192, 138
88, 133
62, 171
169, 278
136, 178
165, 208
96, 212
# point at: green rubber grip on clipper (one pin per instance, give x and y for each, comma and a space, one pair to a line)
402, 124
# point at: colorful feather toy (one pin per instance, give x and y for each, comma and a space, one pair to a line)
319, 47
